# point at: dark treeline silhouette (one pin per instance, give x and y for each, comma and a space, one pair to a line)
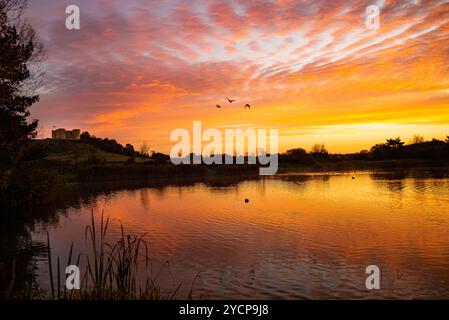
299, 155
110, 145
392, 149
396, 149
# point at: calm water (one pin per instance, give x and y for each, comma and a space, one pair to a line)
300, 236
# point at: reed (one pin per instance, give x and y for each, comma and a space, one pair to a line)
112, 269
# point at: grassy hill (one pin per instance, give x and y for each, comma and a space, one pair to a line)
76, 151
80, 161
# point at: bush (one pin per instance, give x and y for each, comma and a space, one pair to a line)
31, 185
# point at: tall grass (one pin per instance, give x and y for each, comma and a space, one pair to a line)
112, 269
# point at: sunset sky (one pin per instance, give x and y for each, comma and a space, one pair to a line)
139, 69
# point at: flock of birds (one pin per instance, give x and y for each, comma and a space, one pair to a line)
247, 106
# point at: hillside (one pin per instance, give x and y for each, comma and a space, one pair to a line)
75, 151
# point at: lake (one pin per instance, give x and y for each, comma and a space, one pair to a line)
300, 236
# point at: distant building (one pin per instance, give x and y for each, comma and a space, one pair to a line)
64, 134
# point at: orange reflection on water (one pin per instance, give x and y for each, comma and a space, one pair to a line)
299, 236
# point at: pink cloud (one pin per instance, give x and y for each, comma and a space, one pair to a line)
159, 58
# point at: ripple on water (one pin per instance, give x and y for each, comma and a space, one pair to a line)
299, 237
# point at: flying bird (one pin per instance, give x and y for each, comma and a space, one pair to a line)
247, 106
231, 100
218, 106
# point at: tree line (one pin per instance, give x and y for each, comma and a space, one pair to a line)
111, 145
391, 149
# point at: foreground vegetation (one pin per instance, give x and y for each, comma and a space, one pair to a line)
113, 271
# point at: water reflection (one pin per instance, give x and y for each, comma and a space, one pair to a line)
300, 236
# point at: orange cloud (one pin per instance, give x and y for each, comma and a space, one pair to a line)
137, 70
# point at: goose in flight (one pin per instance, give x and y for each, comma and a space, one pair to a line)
218, 106
247, 106
231, 100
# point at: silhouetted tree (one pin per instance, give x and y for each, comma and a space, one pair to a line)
380, 151
85, 136
417, 139
395, 143
362, 155
319, 151
129, 150
389, 150
144, 150
297, 155
19, 52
